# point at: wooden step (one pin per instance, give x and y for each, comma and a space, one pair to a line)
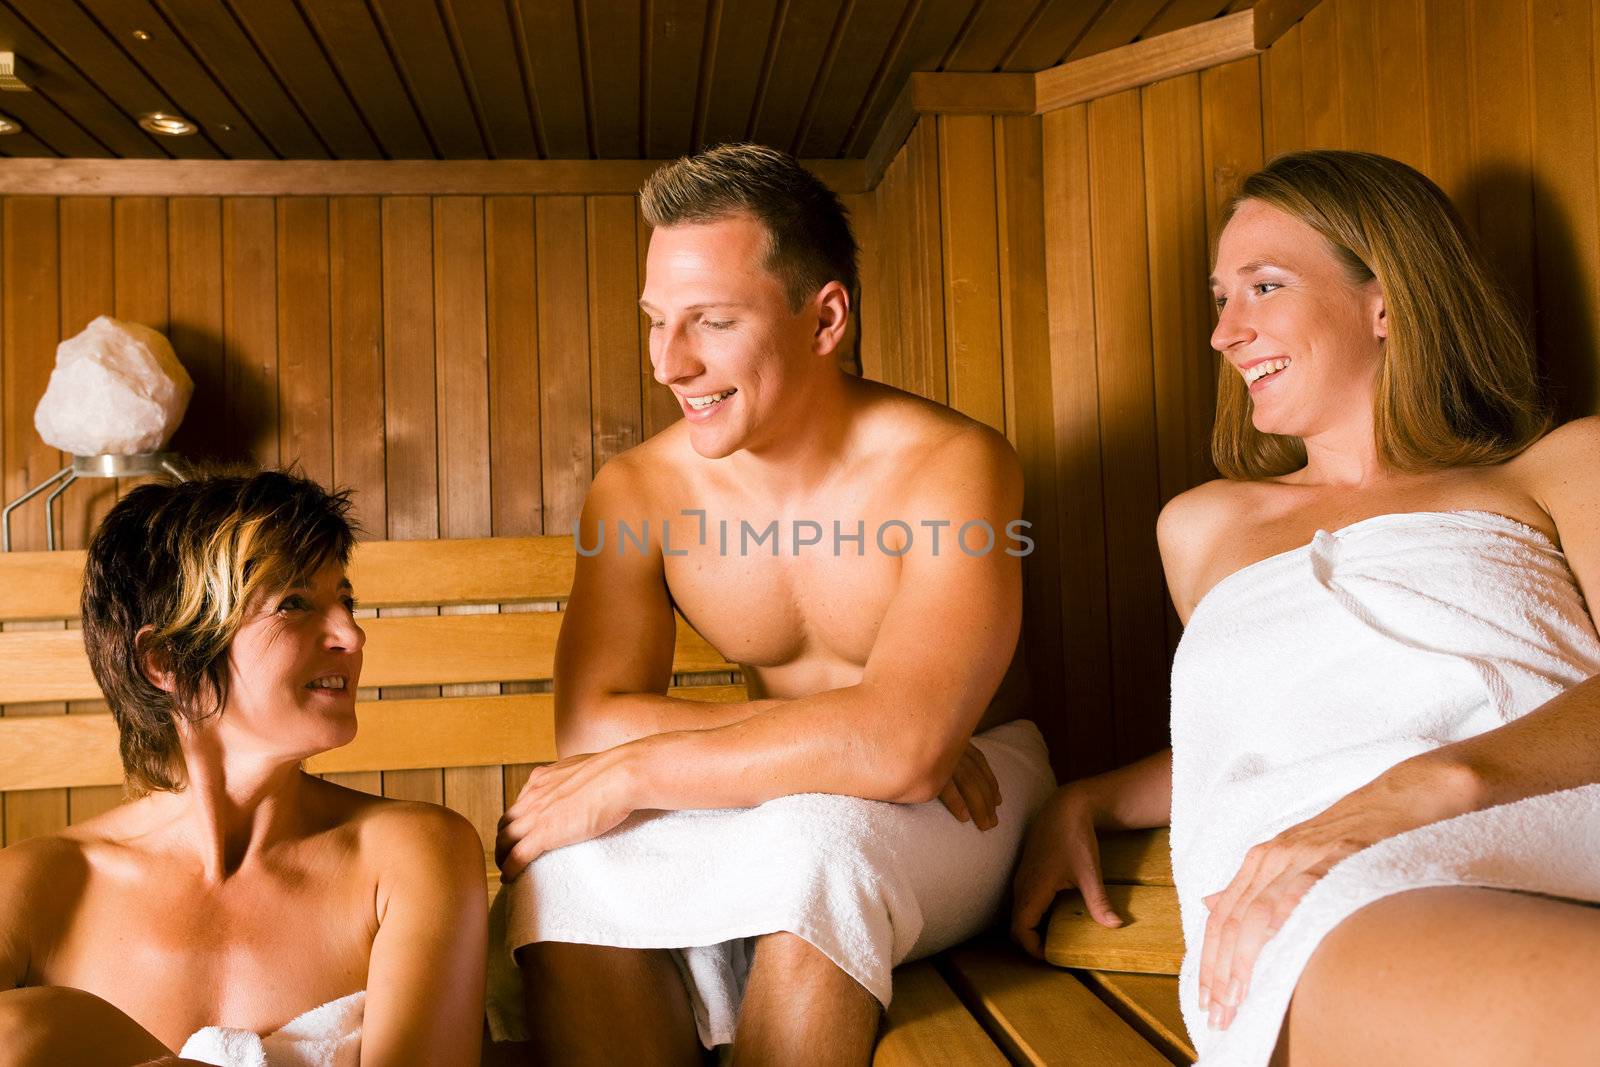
929, 1025
1149, 1004
1040, 1015
1149, 942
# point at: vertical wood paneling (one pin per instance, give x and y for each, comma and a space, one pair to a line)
1502, 138
1127, 422
1230, 102
1088, 732
1025, 336
250, 326
971, 293
566, 445
616, 410
305, 385
1358, 64
513, 332
1447, 67
863, 208
1566, 228
1283, 95
196, 319
926, 366
1319, 60
1401, 76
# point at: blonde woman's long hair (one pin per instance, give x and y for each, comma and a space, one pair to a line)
1458, 386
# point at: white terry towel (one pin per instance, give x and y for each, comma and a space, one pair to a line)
869, 884
1303, 677
325, 1036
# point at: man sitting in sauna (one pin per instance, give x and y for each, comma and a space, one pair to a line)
753, 870
240, 911
1386, 703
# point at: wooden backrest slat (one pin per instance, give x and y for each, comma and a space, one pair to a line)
50, 665
488, 570
69, 751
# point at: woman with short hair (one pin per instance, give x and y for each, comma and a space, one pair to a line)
1385, 706
240, 911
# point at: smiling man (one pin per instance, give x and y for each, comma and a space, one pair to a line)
753, 870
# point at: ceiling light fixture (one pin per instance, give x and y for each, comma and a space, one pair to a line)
140, 35
167, 124
9, 126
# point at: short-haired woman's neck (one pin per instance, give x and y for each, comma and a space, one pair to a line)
234, 807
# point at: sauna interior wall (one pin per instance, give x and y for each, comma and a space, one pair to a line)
1048, 276
463, 363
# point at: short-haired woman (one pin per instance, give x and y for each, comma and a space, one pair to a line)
239, 908
1385, 709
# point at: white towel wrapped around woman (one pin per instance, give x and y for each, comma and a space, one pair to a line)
1304, 676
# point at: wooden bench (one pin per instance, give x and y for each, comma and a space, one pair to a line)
479, 618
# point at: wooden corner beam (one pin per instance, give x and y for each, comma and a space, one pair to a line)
1208, 44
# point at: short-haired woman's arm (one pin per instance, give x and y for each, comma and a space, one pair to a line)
425, 981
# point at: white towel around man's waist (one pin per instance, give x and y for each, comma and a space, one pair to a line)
326, 1036
1303, 677
869, 884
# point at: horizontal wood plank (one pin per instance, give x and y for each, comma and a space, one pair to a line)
1139, 857
928, 1024
38, 666
1143, 62
386, 574
68, 751
1149, 1004
1041, 1015
399, 177
1149, 942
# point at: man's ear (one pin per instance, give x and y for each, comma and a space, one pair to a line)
151, 662
833, 317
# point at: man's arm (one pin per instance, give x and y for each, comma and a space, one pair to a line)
944, 644
618, 633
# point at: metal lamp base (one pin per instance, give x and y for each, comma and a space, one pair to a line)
103, 466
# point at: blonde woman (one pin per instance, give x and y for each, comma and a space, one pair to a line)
1385, 709
240, 911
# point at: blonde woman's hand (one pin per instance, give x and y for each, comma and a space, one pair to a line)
1061, 852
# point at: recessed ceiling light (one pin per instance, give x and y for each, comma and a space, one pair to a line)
140, 35
9, 126
166, 124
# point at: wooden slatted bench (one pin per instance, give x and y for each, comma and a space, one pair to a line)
480, 618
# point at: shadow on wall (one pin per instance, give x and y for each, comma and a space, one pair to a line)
1562, 318
233, 415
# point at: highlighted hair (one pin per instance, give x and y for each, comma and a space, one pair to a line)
188, 560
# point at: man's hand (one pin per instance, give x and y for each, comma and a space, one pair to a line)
564, 803
1276, 874
973, 792
1060, 852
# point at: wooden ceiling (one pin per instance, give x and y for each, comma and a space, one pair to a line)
518, 79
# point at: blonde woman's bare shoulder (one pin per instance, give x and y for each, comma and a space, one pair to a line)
1187, 532
1562, 474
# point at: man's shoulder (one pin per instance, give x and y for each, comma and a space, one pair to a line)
936, 448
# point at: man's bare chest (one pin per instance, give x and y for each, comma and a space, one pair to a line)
809, 585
